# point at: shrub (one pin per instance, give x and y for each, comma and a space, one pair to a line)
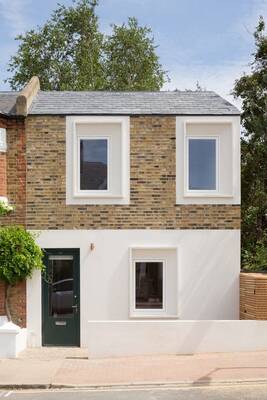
19, 254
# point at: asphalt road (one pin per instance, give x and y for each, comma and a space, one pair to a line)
242, 392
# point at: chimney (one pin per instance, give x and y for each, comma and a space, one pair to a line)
26, 96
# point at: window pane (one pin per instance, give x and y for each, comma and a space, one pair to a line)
148, 282
61, 286
202, 164
93, 164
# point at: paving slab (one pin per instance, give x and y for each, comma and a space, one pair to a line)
195, 369
53, 367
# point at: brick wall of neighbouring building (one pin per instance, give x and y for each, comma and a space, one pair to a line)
253, 296
152, 185
16, 194
16, 171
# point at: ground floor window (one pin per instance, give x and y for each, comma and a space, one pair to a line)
153, 282
149, 285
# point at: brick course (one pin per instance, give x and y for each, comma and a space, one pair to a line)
153, 194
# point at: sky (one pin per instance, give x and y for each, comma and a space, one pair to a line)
209, 41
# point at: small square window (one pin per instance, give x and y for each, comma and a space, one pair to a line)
202, 164
149, 285
93, 172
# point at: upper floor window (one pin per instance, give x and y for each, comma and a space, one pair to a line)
202, 164
97, 160
207, 160
93, 173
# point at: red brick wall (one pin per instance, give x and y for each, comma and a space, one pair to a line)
2, 298
17, 304
16, 194
3, 167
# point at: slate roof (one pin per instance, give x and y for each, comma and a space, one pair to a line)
8, 102
122, 103
131, 103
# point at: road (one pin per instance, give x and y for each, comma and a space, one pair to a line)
236, 392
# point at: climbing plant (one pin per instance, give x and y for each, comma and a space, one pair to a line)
19, 257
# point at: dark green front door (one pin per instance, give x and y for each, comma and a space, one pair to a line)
61, 298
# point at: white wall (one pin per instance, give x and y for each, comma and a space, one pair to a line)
208, 273
131, 338
12, 338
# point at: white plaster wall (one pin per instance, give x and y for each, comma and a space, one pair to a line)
12, 338
131, 338
208, 273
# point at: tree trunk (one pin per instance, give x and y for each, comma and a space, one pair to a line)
8, 313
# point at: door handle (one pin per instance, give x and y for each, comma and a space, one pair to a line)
75, 307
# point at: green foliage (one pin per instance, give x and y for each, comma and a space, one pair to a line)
252, 89
131, 62
70, 53
5, 208
19, 254
64, 53
256, 260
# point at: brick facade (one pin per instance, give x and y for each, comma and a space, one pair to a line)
152, 184
16, 194
2, 298
3, 166
253, 296
16, 171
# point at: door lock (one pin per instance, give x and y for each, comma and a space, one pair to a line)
75, 308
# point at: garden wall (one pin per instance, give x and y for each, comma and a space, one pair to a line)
253, 296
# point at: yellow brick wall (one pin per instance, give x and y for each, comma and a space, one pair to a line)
152, 185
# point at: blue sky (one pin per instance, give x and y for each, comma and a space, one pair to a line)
209, 41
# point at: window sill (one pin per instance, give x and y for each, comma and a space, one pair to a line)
152, 316
97, 196
206, 194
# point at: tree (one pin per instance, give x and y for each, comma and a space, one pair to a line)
65, 53
19, 257
252, 89
131, 62
70, 53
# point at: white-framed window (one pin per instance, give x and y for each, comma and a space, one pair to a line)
207, 160
153, 282
202, 164
149, 281
3, 143
97, 160
93, 164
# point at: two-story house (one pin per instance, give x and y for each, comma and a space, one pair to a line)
136, 198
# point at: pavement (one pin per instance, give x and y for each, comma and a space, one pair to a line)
240, 392
66, 368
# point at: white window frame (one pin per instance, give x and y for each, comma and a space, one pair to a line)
77, 179
119, 182
165, 312
3, 140
217, 172
149, 311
